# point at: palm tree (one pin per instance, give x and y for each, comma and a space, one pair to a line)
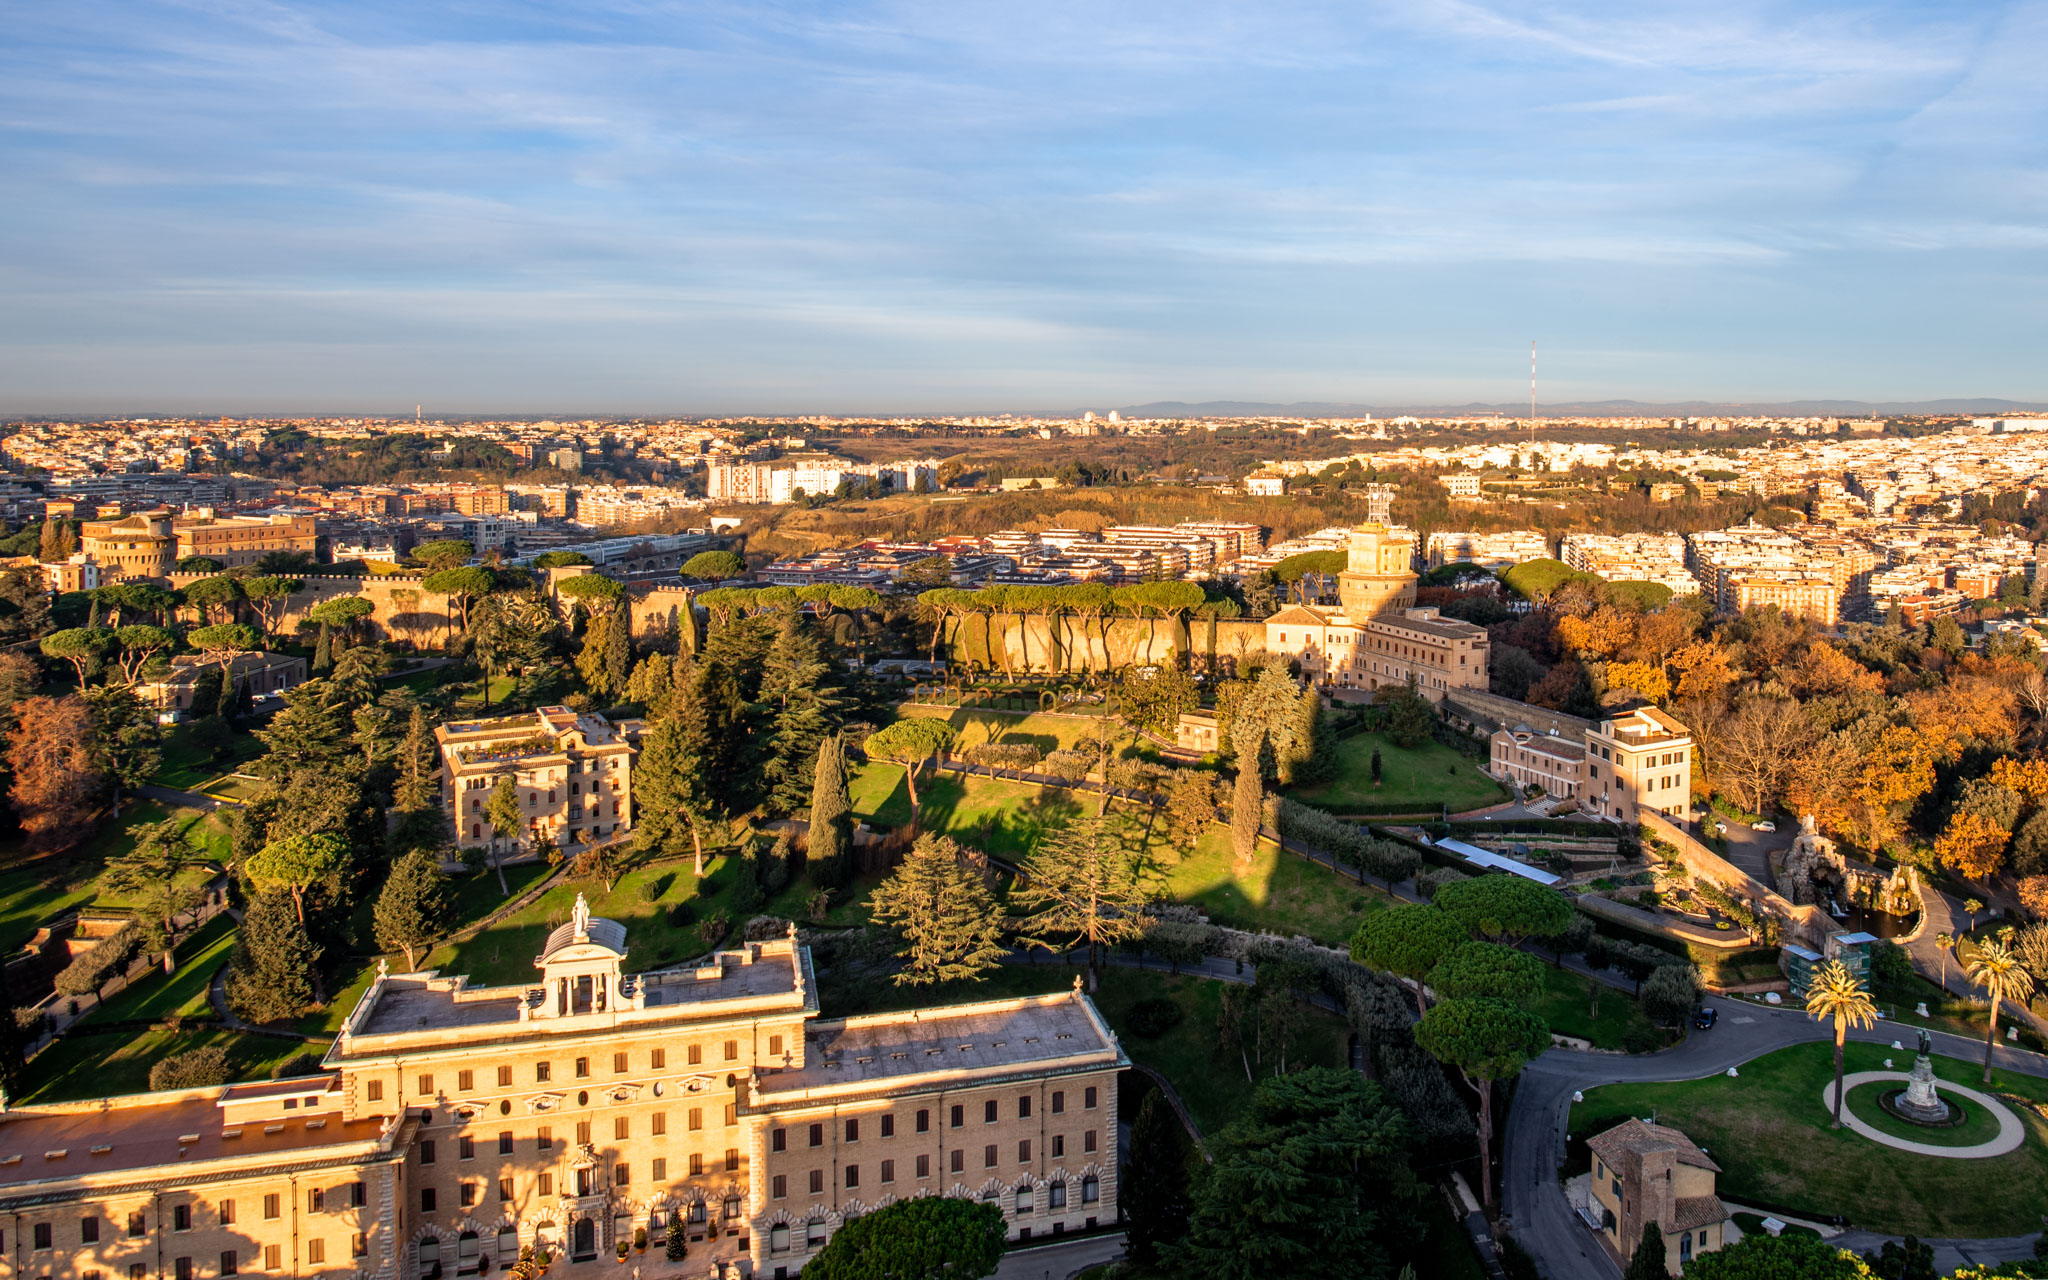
1998, 970
1972, 907
1947, 943
1835, 995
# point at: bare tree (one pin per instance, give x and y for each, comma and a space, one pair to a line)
1757, 747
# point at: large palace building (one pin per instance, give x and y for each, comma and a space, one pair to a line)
590, 1113
1378, 639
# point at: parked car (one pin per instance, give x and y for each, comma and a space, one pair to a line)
1720, 828
1764, 826
1705, 1017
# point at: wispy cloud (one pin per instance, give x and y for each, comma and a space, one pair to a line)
913, 201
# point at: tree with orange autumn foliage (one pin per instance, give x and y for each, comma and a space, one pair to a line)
1661, 634
1602, 633
56, 787
1645, 679
2028, 777
1973, 845
1704, 671
1823, 669
1895, 772
1968, 709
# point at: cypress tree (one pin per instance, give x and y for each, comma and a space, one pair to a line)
413, 908
270, 977
1155, 1188
323, 651
618, 647
1247, 804
831, 839
1647, 1262
1375, 766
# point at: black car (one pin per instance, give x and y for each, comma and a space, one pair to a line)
1704, 1017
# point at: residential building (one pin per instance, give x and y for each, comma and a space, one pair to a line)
1644, 1173
1462, 484
237, 540
574, 774
1530, 759
1265, 485
1640, 759
78, 572
1503, 550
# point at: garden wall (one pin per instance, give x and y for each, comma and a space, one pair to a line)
1809, 926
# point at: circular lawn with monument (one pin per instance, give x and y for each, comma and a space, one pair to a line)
1769, 1127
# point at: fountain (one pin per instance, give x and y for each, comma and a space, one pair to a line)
1918, 1103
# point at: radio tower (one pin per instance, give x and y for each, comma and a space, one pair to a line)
1532, 395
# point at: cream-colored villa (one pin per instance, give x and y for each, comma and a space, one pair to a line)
589, 1109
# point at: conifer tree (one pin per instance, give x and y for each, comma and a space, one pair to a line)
1647, 1262
507, 819
323, 651
1155, 1185
794, 685
413, 908
419, 783
1247, 804
1083, 883
949, 922
271, 976
831, 838
688, 774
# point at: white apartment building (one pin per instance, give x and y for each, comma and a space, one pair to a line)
1631, 557
1491, 550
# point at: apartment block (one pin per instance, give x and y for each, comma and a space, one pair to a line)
1639, 760
1502, 550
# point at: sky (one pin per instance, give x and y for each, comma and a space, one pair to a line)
629, 206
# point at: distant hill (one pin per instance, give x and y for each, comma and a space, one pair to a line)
1981, 405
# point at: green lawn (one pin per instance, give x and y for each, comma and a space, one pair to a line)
1564, 1003
327, 1018
879, 794
186, 768
33, 891
86, 1066
977, 725
181, 993
1214, 1086
1426, 776
505, 952
1768, 1129
1275, 891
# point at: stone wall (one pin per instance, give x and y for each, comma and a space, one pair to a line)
1808, 926
404, 612
1034, 642
1489, 711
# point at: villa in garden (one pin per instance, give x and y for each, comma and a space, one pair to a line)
1645, 1173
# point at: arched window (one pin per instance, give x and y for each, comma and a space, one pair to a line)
508, 1246
1091, 1189
468, 1249
778, 1238
1056, 1195
430, 1258
814, 1233
1023, 1201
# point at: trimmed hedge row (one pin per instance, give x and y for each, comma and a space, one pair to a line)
1383, 859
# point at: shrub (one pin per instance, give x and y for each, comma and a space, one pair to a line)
1156, 1017
1347, 842
97, 967
1669, 994
1641, 1039
299, 1064
194, 1069
682, 915
1427, 884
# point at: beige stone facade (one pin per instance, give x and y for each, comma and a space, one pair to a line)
1337, 652
1645, 1173
588, 1111
149, 544
1639, 760
1530, 759
574, 773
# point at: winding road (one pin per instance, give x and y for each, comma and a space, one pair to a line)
1533, 1140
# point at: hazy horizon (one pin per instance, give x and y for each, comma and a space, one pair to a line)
902, 208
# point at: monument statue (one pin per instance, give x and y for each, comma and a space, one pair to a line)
1919, 1102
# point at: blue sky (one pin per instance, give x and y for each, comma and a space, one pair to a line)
248, 206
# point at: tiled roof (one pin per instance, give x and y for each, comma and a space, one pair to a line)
1643, 1138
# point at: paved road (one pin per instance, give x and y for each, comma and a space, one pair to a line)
186, 799
1059, 1261
1533, 1141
